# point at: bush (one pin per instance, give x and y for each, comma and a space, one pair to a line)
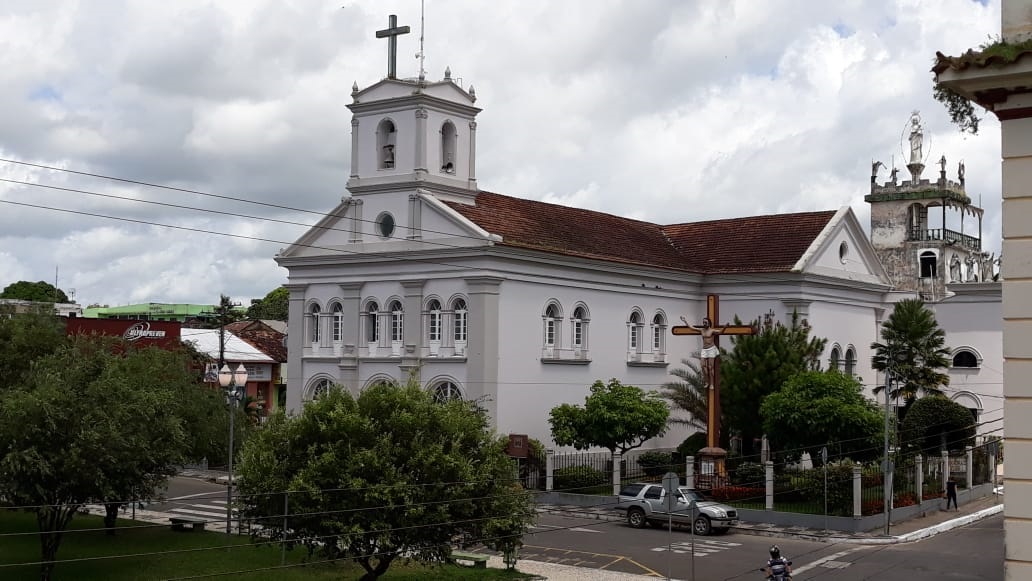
810, 486
749, 474
655, 463
578, 477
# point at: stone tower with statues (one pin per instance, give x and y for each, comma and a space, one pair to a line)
926, 231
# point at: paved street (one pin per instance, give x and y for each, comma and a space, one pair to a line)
972, 552
193, 497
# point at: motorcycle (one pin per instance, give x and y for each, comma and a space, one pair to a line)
779, 573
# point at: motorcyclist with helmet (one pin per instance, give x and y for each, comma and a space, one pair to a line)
778, 567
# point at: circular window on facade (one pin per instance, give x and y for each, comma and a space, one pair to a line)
385, 225
843, 252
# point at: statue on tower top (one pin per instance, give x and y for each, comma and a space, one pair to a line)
916, 138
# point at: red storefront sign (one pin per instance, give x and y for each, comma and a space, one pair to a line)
164, 334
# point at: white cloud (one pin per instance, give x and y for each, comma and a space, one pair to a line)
662, 110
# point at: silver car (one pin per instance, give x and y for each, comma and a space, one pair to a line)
647, 504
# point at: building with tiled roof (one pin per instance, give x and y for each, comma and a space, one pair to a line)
522, 304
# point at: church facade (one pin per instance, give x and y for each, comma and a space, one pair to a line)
521, 304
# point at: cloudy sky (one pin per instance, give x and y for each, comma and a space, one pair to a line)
662, 110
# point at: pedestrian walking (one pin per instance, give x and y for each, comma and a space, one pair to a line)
951, 493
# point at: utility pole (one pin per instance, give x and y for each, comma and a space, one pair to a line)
886, 463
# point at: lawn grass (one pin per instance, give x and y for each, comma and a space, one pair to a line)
128, 556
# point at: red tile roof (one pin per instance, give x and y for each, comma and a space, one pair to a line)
261, 337
758, 244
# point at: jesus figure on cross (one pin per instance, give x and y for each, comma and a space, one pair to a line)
710, 351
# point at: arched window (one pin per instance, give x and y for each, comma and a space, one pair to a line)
313, 323
397, 322
459, 321
634, 328
850, 361
658, 333
835, 361
448, 135
552, 317
338, 322
319, 388
579, 328
386, 137
372, 329
433, 321
928, 264
446, 391
965, 358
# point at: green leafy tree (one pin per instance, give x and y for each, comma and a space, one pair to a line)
390, 473
757, 366
274, 306
93, 424
935, 423
24, 338
823, 408
689, 394
42, 292
913, 349
614, 416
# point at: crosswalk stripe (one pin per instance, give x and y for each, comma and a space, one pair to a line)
215, 515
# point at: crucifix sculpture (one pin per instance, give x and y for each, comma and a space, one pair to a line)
391, 33
710, 355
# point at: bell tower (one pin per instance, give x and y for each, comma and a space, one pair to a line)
413, 133
927, 233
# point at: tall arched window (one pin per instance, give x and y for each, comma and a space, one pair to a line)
448, 135
850, 361
552, 318
313, 323
446, 391
397, 325
658, 334
338, 322
386, 137
835, 361
634, 329
372, 329
433, 321
460, 324
579, 329
928, 264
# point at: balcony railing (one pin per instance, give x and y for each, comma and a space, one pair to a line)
946, 235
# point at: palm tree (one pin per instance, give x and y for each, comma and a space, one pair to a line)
913, 349
689, 395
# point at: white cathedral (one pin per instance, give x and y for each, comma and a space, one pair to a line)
522, 305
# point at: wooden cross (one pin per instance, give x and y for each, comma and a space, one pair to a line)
391, 33
713, 400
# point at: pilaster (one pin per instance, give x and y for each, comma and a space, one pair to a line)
482, 351
295, 336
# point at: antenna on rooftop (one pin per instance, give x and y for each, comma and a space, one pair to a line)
421, 55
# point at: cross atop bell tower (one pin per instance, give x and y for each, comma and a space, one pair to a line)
391, 33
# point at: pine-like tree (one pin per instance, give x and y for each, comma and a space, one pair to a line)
758, 366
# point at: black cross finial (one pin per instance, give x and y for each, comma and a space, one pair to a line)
391, 33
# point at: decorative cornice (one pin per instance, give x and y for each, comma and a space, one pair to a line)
554, 361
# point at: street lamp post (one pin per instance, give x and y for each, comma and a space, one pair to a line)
235, 383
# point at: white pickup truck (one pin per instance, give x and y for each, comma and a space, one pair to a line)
647, 503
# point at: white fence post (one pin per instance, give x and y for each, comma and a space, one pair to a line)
857, 491
549, 469
689, 471
919, 477
616, 472
768, 467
